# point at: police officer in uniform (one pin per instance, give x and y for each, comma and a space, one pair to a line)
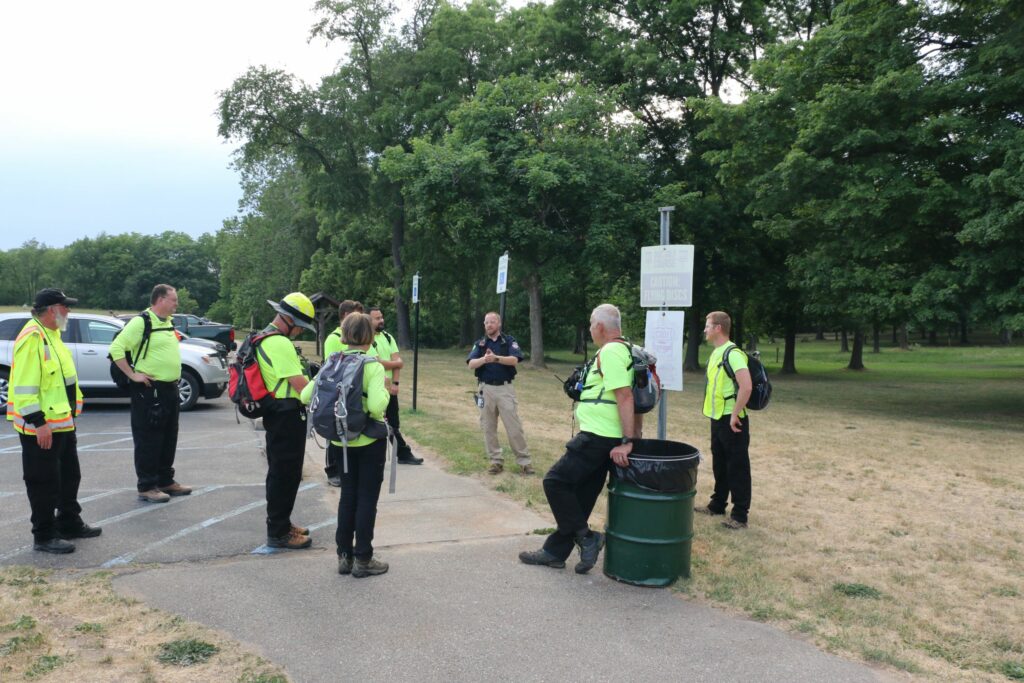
44, 402
285, 422
493, 359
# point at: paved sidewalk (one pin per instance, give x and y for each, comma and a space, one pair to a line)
457, 605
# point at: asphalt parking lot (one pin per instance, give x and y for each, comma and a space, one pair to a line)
217, 456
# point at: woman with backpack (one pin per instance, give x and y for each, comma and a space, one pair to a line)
360, 484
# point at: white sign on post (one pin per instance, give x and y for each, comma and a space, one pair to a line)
415, 289
666, 276
502, 273
663, 336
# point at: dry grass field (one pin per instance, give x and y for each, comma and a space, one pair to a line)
71, 626
887, 522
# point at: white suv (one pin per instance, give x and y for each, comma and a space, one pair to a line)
203, 370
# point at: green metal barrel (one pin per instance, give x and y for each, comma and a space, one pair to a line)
650, 531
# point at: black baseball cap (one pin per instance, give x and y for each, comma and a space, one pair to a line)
50, 296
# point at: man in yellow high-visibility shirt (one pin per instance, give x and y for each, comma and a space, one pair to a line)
154, 393
44, 402
285, 421
385, 349
725, 404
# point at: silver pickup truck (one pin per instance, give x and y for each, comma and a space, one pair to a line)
203, 366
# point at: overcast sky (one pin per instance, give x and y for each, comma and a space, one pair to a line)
107, 110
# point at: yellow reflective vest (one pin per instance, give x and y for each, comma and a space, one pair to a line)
41, 371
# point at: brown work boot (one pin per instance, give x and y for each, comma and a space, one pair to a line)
176, 489
495, 468
527, 470
370, 567
153, 496
300, 530
290, 541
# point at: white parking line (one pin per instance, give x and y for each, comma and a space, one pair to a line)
123, 516
128, 557
26, 518
89, 447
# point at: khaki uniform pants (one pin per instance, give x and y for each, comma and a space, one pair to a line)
501, 400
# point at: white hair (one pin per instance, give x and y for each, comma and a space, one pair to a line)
607, 315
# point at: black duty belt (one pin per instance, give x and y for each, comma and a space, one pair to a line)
497, 383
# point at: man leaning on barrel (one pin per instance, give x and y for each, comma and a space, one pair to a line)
605, 414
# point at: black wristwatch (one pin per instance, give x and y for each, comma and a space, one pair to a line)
626, 440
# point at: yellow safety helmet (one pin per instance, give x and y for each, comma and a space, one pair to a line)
298, 307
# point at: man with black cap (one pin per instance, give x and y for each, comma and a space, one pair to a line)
154, 373
44, 402
285, 421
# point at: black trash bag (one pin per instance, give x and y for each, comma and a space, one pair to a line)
665, 466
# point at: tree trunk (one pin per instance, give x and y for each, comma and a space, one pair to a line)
695, 325
933, 338
580, 339
837, 336
820, 336
876, 345
536, 321
904, 338
398, 274
1006, 337
752, 345
789, 359
844, 347
857, 356
467, 330
739, 330
963, 332
895, 335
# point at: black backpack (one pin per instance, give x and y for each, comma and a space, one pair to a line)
121, 379
761, 386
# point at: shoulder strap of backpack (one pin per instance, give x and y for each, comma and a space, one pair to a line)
256, 345
391, 340
629, 347
147, 332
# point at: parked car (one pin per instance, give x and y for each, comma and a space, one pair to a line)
88, 336
202, 328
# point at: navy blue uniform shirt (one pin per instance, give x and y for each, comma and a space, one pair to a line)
504, 345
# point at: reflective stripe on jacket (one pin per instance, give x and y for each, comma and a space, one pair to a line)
41, 371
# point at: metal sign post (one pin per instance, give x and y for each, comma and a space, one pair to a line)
502, 284
666, 217
416, 337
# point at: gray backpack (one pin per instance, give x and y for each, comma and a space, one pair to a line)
336, 410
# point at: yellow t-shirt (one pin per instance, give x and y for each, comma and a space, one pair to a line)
162, 357
598, 411
382, 347
720, 391
283, 363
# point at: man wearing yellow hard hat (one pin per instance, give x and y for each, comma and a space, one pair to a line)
285, 422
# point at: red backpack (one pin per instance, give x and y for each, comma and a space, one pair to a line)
245, 381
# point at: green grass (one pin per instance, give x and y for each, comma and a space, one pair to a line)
186, 652
857, 590
45, 664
